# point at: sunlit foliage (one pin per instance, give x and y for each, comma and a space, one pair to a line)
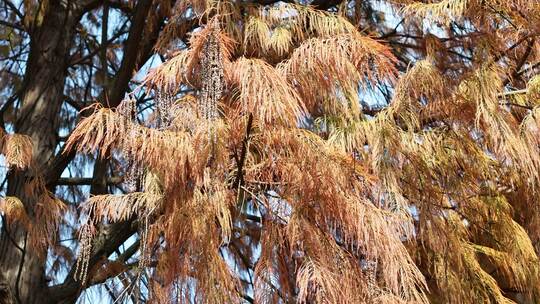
267, 173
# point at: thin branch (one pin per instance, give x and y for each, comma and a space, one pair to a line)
77, 105
516, 92
95, 51
12, 25
393, 32
76, 181
131, 52
530, 67
521, 62
14, 8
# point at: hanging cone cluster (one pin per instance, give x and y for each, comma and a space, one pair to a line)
128, 110
211, 76
164, 102
86, 235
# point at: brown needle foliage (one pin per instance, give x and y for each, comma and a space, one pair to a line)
296, 189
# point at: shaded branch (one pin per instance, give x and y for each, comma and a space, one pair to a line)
12, 25
14, 8
242, 160
106, 243
131, 52
74, 181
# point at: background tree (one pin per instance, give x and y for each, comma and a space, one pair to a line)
332, 151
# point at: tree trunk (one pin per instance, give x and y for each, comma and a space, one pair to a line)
41, 99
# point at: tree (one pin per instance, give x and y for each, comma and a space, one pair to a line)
341, 151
